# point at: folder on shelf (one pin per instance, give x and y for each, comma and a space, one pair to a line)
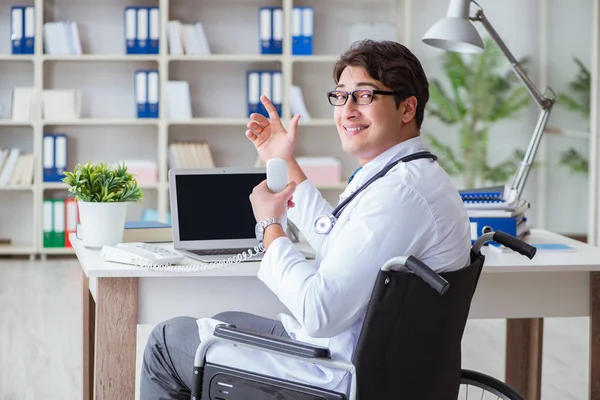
265, 29
179, 106
306, 47
277, 90
60, 156
302, 30
277, 31
28, 42
253, 78
16, 29
58, 223
22, 104
153, 30
71, 219
296, 30
9, 166
48, 157
142, 30
130, 30
54, 156
141, 93
48, 222
265, 90
152, 106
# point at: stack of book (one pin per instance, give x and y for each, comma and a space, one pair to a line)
495, 209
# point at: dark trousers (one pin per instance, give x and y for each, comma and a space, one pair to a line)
168, 362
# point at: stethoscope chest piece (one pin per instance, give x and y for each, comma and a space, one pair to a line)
324, 224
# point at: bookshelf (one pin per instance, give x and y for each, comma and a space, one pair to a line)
109, 130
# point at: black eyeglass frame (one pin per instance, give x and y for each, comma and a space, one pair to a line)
351, 94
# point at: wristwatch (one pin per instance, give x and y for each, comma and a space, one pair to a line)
262, 225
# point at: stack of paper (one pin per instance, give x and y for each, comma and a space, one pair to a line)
62, 38
190, 155
187, 39
16, 167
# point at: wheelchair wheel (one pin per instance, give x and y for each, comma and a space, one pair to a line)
475, 385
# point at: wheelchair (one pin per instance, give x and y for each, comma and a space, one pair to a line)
409, 346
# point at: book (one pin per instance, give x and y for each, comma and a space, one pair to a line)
142, 231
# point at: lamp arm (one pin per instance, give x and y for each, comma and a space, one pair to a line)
543, 101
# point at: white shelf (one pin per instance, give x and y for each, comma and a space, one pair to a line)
227, 57
211, 121
316, 58
101, 57
16, 249
54, 185
8, 122
17, 188
105, 122
16, 57
57, 250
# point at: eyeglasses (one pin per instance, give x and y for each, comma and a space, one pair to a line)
359, 97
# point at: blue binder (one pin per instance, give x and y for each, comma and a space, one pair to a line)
28, 43
153, 30
265, 29
253, 91
16, 29
302, 30
277, 30
152, 94
141, 93
141, 34
130, 30
48, 157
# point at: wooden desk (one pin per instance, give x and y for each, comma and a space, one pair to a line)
117, 297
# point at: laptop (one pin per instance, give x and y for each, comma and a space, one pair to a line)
211, 212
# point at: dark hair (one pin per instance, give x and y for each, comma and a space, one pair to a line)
393, 65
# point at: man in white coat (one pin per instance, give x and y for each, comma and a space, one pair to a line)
414, 209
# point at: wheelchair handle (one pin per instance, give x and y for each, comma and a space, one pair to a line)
427, 274
515, 244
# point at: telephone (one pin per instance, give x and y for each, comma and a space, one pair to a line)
140, 254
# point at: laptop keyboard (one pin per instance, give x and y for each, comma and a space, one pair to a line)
218, 252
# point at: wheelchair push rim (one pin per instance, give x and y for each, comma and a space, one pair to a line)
475, 385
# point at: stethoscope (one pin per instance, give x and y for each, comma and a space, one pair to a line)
324, 224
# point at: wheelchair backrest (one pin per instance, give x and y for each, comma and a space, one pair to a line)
410, 343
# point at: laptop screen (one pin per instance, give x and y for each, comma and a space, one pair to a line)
216, 206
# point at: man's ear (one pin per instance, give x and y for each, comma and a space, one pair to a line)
408, 109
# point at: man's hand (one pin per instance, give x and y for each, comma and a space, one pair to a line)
266, 204
269, 136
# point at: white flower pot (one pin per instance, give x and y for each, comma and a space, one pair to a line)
102, 224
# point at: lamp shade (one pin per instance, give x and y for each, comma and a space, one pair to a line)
454, 34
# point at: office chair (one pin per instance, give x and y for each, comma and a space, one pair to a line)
409, 345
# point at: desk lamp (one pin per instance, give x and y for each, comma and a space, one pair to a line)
456, 33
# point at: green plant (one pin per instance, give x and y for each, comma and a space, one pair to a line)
579, 102
103, 183
480, 95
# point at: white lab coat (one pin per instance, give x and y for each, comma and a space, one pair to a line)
413, 210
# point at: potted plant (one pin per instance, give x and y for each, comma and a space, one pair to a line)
102, 192
480, 95
577, 100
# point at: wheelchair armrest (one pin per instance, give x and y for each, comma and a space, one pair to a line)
266, 341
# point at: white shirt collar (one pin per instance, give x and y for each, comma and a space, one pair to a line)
394, 153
